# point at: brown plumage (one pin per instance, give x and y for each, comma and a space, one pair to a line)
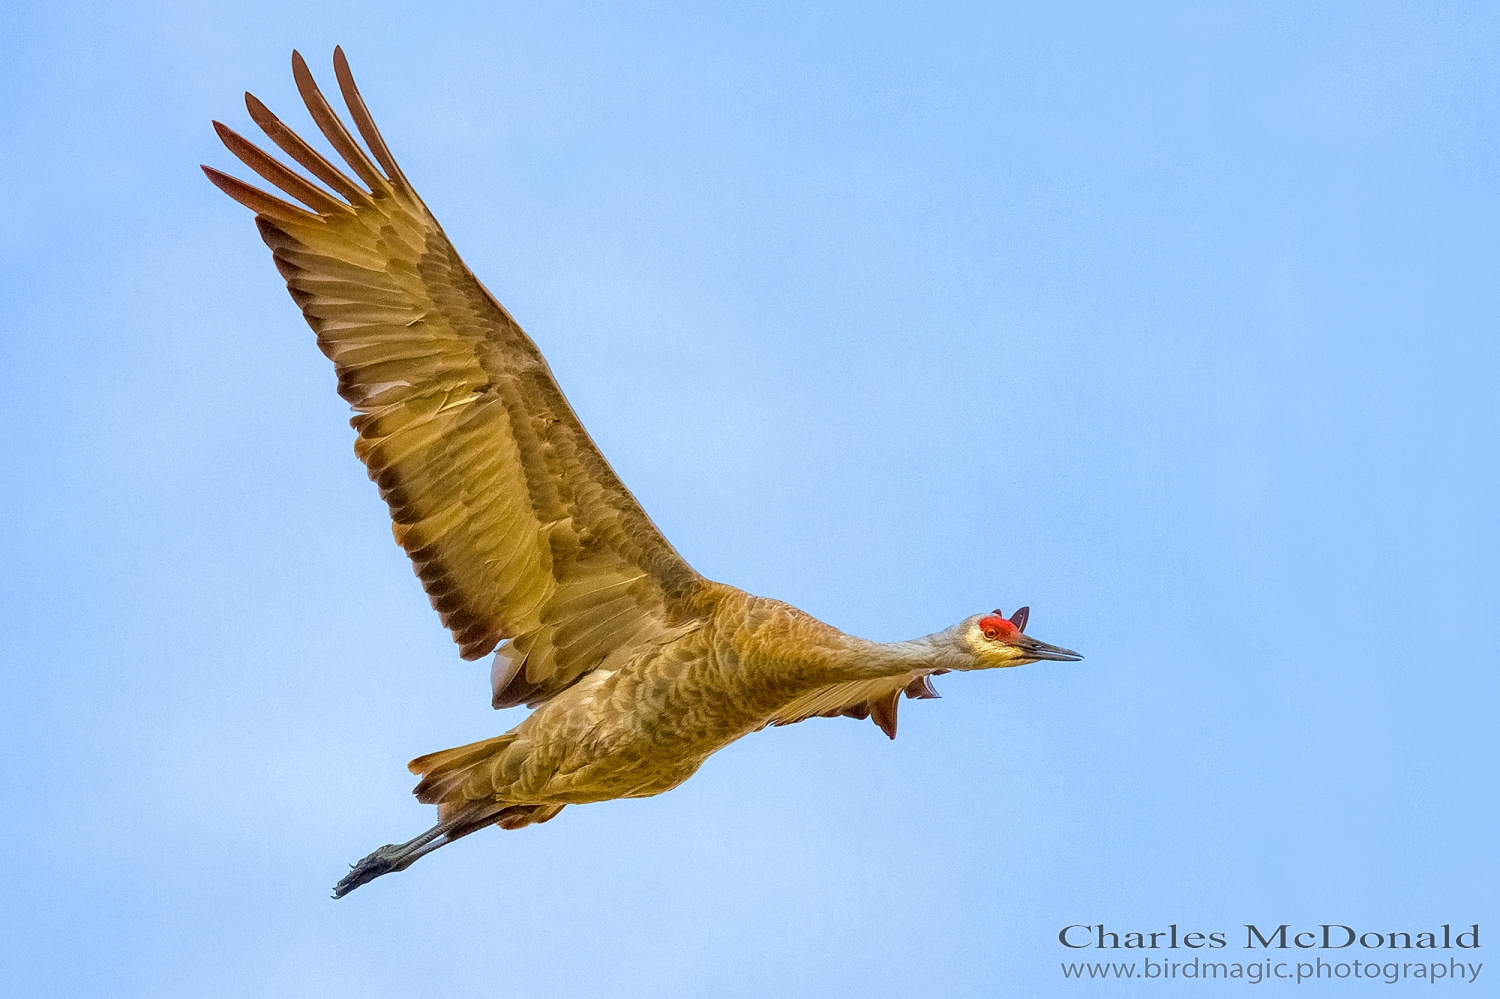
526, 542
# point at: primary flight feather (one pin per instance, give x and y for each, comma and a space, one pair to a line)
526, 541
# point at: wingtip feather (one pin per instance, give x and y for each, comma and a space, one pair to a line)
274, 172
294, 146
259, 201
883, 712
363, 120
332, 128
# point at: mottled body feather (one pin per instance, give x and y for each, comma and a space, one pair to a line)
645, 724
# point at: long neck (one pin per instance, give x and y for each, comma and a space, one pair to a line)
866, 660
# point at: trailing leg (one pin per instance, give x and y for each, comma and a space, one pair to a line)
471, 818
400, 856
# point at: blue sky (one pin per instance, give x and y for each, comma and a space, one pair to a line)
1176, 322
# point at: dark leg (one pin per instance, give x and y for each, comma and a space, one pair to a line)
400, 856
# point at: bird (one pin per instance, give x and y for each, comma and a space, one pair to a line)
527, 543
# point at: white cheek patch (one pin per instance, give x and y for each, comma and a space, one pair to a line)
508, 662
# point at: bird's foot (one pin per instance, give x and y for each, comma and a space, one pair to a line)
383, 861
400, 856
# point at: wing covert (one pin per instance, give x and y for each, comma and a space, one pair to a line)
516, 525
860, 699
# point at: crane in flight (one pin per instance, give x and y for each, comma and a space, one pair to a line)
525, 540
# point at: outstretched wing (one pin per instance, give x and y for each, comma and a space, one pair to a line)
874, 699
515, 523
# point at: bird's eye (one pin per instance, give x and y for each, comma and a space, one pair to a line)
996, 628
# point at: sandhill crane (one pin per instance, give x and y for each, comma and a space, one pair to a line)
525, 540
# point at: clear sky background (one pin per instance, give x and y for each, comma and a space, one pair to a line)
1177, 322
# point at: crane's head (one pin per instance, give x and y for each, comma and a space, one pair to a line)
996, 641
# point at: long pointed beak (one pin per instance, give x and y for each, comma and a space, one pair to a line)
1041, 650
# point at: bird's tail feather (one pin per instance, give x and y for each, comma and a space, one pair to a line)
454, 779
